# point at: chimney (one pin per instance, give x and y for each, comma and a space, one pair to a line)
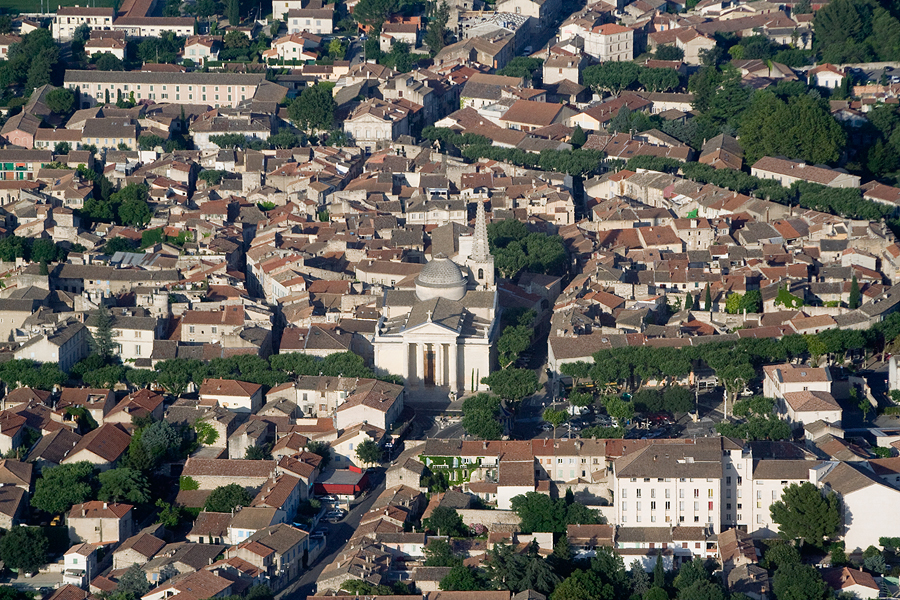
105, 506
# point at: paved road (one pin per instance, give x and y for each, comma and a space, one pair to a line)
39, 580
337, 537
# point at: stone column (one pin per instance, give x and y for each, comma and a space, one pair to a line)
438, 378
420, 363
454, 366
405, 370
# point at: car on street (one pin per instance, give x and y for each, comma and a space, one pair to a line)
330, 499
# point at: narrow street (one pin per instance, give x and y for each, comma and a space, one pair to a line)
337, 536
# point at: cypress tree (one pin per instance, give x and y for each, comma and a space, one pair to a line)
659, 575
854, 293
708, 306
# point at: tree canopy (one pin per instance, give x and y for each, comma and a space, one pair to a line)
516, 250
446, 521
314, 108
481, 415
61, 487
24, 548
226, 498
539, 512
800, 128
805, 514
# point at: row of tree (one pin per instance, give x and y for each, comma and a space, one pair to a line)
617, 76
844, 202
577, 162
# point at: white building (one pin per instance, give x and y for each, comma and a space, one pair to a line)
603, 42
70, 18
866, 504
802, 394
441, 335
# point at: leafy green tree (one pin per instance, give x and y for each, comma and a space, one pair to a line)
539, 512
669, 53
226, 497
60, 488
108, 62
512, 384
779, 553
659, 79
123, 485
613, 77
461, 578
369, 452
805, 514
236, 39
161, 440
118, 244
640, 581
314, 108
359, 587
323, 450
583, 585
555, 418
854, 293
690, 573
60, 101
481, 414
659, 573
657, 593
213, 177
24, 548
446, 521
707, 306
702, 590
579, 137
539, 575
799, 582
733, 304
521, 66
374, 13
436, 34
751, 301
149, 141
258, 453
170, 515
801, 128
133, 582
439, 553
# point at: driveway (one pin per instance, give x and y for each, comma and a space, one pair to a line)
337, 536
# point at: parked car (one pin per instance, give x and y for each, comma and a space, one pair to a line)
330, 499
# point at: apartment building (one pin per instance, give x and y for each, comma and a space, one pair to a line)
70, 18
154, 26
215, 89
679, 484
319, 21
17, 165
787, 172
133, 335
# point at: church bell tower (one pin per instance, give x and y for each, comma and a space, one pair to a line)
481, 263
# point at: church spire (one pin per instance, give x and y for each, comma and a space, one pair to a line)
480, 248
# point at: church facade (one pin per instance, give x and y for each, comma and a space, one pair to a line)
441, 334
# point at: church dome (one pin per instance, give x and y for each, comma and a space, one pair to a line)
441, 278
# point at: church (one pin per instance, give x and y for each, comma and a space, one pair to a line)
441, 334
